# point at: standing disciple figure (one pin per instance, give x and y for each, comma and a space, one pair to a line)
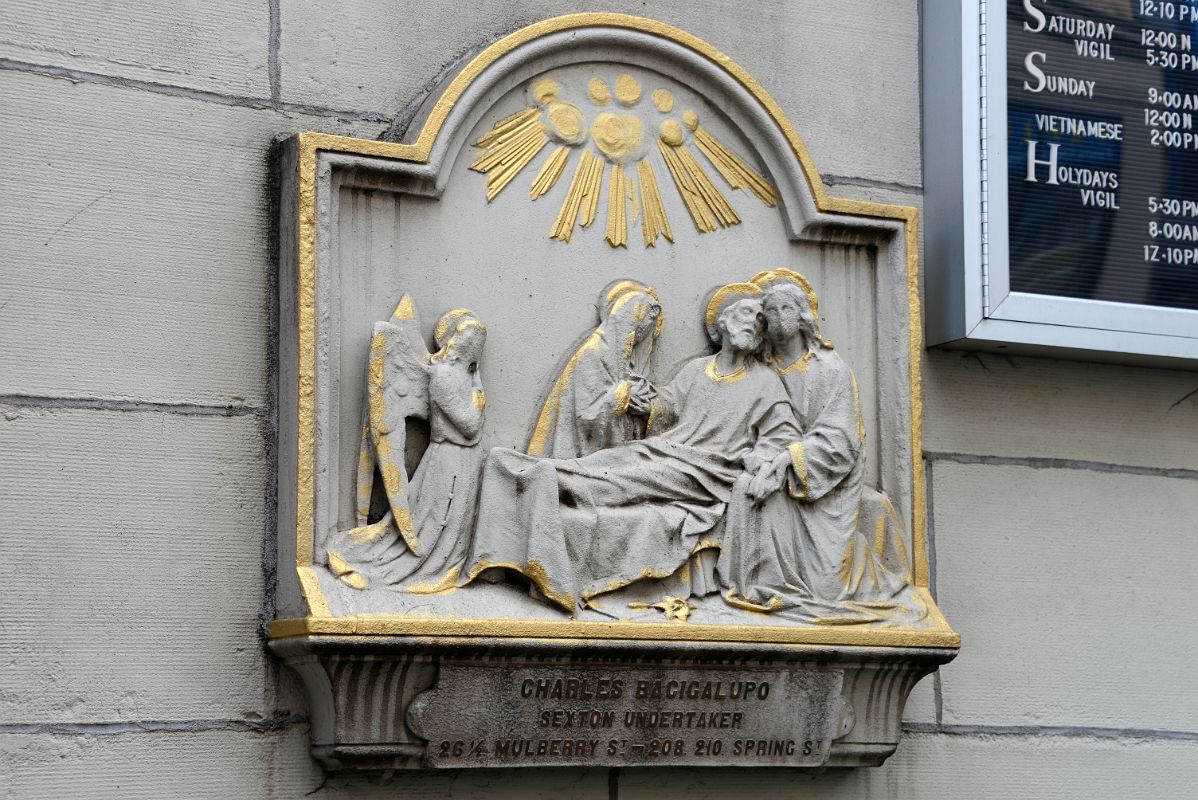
801, 549
582, 527
420, 543
600, 398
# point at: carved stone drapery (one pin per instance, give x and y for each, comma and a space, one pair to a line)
725, 192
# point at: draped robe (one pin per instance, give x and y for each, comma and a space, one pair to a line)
578, 528
587, 406
801, 548
441, 497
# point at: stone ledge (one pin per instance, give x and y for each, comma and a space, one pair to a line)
361, 691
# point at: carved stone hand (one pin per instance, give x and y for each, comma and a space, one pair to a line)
753, 462
641, 398
767, 481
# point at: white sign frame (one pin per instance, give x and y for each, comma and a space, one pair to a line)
969, 300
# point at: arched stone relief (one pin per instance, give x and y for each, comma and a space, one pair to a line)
671, 393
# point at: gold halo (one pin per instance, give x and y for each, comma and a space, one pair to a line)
691, 118
628, 91
725, 296
625, 286
600, 94
470, 321
784, 275
663, 100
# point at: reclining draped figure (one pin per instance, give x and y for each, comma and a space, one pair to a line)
581, 527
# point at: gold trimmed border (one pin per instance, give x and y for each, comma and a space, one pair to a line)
614, 631
320, 619
940, 636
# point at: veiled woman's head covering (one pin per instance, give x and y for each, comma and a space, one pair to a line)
618, 294
623, 304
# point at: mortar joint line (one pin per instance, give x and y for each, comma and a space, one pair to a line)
1040, 462
107, 404
274, 37
203, 95
277, 722
868, 183
1074, 731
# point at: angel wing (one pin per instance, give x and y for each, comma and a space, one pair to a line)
397, 378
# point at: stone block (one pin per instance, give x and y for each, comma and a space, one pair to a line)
493, 784
135, 567
1074, 590
215, 46
136, 232
936, 765
154, 765
845, 73
203, 764
1060, 409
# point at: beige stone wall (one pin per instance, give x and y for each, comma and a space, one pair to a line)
136, 423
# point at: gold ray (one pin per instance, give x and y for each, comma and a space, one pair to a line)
503, 149
551, 170
593, 186
511, 167
617, 208
653, 221
738, 174
563, 226
504, 152
631, 195
511, 144
506, 124
686, 190
703, 200
582, 197
724, 212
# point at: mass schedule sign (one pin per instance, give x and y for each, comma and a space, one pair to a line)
1102, 121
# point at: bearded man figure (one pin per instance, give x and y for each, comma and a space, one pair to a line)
581, 527
800, 551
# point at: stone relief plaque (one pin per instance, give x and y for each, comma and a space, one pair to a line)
590, 362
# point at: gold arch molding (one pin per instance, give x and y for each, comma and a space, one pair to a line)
319, 619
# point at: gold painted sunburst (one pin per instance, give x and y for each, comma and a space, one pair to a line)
614, 135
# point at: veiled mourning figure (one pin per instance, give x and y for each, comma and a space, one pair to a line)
801, 549
600, 398
419, 544
579, 528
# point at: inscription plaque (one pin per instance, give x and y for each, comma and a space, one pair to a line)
533, 715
